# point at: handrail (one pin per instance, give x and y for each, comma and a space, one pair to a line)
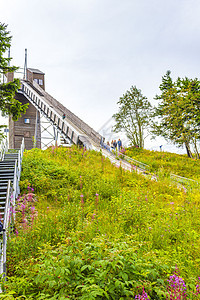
46, 109
3, 148
139, 163
15, 183
5, 227
71, 128
184, 179
12, 193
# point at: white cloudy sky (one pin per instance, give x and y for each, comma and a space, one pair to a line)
92, 51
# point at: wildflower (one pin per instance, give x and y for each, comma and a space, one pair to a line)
198, 287
32, 209
176, 286
144, 296
23, 206
82, 201
97, 199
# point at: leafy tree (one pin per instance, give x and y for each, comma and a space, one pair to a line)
178, 113
134, 111
8, 104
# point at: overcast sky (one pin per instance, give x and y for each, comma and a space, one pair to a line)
92, 51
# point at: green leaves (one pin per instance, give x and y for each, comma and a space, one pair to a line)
131, 238
133, 115
8, 104
177, 116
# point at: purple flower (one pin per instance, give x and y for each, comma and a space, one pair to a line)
97, 199
23, 206
198, 287
32, 209
82, 201
144, 296
176, 286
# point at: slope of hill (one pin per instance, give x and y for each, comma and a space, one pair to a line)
167, 162
88, 230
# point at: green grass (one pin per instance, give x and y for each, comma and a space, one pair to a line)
94, 231
167, 163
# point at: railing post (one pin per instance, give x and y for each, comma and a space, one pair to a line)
5, 226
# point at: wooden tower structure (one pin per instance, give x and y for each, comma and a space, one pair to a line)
28, 126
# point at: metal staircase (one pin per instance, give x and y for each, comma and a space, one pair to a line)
7, 169
10, 170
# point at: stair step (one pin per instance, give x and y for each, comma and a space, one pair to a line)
11, 158
7, 177
2, 198
5, 181
6, 174
8, 162
2, 202
3, 187
3, 193
6, 171
3, 184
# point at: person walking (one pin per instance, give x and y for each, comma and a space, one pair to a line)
119, 144
111, 146
114, 144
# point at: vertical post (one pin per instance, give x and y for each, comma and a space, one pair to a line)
4, 252
25, 65
36, 129
55, 135
9, 57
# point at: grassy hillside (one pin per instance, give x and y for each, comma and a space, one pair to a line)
167, 162
88, 230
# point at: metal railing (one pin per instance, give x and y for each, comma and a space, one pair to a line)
5, 229
13, 191
3, 148
70, 127
135, 162
184, 180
